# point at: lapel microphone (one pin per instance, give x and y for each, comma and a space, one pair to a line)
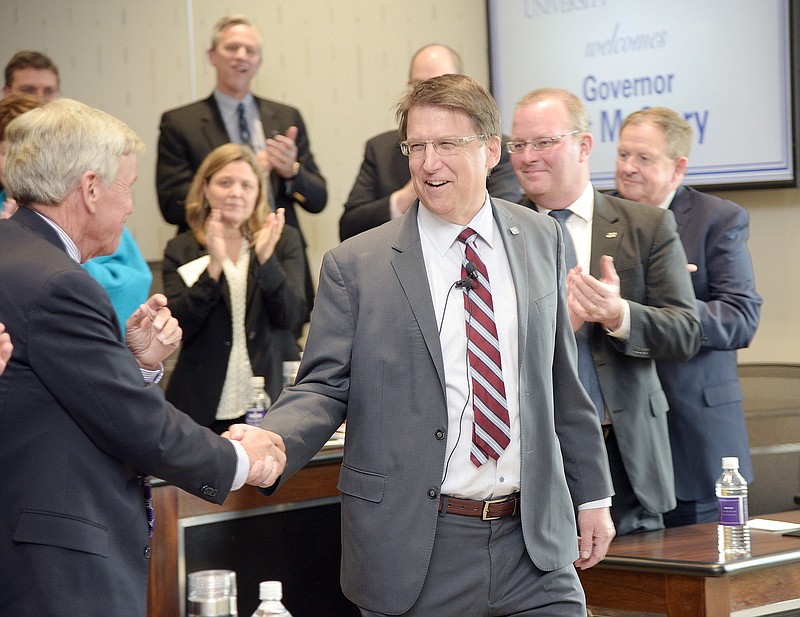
468, 281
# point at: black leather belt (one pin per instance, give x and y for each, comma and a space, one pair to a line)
488, 510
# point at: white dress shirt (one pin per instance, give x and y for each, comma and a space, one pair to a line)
443, 255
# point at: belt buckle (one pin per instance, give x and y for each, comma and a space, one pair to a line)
485, 514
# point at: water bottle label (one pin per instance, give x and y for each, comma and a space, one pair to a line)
732, 511
253, 417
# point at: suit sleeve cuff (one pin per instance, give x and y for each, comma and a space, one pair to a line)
242, 466
599, 503
624, 331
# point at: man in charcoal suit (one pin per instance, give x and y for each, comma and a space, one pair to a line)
383, 189
232, 113
630, 299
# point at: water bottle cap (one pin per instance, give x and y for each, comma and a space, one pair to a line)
730, 462
257, 381
270, 590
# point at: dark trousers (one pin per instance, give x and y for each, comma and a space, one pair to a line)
691, 512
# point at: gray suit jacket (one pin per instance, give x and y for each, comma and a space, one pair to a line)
651, 264
374, 358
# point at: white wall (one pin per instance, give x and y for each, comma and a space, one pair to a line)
343, 64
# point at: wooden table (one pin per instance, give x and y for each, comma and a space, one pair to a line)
314, 484
678, 572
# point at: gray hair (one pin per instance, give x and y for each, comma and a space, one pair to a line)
52, 146
677, 132
454, 92
227, 21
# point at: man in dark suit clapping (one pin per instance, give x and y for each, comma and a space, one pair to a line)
276, 132
630, 298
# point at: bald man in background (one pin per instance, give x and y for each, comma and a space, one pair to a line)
383, 190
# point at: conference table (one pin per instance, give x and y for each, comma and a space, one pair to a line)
679, 573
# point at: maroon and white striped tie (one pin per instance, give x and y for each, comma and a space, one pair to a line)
490, 428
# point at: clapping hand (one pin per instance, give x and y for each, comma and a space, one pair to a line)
215, 243
267, 237
282, 152
595, 300
152, 333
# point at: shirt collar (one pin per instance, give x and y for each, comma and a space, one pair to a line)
442, 234
69, 245
583, 207
229, 104
668, 200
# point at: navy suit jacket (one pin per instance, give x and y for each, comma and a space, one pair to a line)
78, 425
385, 170
374, 358
706, 421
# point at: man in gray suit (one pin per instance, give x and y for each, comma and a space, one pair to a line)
706, 421
630, 299
431, 523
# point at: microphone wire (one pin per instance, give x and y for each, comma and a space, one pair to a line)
469, 381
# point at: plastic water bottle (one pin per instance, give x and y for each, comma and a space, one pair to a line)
212, 593
271, 593
259, 402
733, 531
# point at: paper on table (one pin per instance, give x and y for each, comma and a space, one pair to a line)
191, 270
765, 524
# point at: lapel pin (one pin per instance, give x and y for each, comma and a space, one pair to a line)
514, 231
611, 234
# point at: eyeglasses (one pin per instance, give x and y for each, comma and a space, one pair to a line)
539, 144
42, 93
444, 146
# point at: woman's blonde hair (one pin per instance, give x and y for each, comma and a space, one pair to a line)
197, 210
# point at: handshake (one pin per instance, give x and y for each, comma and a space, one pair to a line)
266, 451
152, 334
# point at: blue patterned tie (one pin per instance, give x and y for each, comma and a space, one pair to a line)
244, 129
587, 371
